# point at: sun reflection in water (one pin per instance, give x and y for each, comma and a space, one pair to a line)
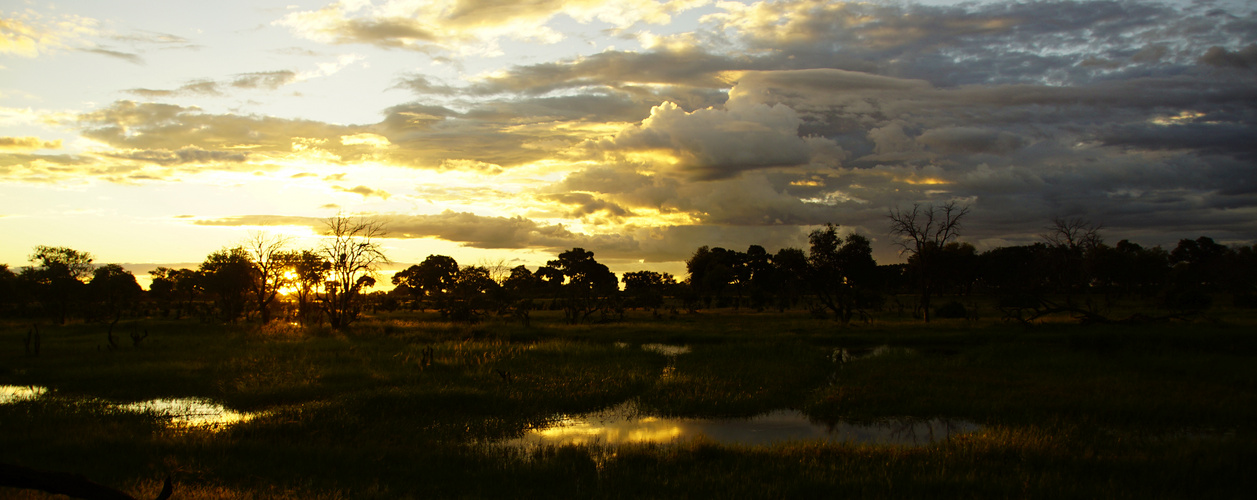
624, 424
191, 412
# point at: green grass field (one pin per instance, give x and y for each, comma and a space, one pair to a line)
402, 406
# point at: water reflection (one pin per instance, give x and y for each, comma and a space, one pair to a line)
181, 412
625, 424
666, 349
191, 412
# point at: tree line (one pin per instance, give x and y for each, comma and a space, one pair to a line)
1071, 269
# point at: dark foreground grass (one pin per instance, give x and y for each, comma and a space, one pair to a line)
404, 406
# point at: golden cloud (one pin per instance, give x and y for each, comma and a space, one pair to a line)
27, 143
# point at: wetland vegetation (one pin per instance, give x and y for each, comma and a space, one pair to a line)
407, 405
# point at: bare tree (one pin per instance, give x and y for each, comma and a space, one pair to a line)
1075, 234
498, 269
269, 257
921, 233
353, 250
1072, 242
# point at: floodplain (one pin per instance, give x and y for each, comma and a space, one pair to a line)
721, 403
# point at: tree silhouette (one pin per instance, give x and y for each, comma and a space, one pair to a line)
587, 283
921, 233
228, 275
354, 253
648, 288
58, 277
309, 271
114, 291
271, 261
840, 269
431, 280
8, 287
1071, 244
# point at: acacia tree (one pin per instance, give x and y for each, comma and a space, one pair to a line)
354, 253
921, 233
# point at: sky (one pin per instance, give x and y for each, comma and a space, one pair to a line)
505, 132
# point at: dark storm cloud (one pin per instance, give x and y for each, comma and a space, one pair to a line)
1245, 58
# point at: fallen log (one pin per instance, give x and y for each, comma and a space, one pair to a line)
63, 483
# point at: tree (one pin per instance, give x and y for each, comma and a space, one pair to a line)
921, 233
8, 287
840, 270
521, 282
271, 261
228, 275
114, 290
1072, 244
310, 271
713, 271
431, 280
648, 288
587, 286
354, 253
474, 292
790, 271
58, 277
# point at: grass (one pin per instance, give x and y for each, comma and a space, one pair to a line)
1112, 411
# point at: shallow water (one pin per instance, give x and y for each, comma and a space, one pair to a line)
191, 412
666, 349
624, 424
182, 412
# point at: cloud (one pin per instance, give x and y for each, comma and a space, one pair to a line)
366, 192
27, 143
467, 26
29, 34
587, 204
182, 156
1244, 58
713, 143
461, 227
156, 126
269, 80
970, 140
125, 56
